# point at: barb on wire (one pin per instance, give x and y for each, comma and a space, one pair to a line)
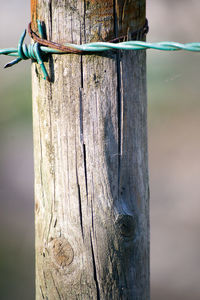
24, 52
43, 47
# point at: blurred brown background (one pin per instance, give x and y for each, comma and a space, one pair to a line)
174, 163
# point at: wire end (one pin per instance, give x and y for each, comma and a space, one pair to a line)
12, 63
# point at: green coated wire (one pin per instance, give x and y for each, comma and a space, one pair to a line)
136, 45
37, 52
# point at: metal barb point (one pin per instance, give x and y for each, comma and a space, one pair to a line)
25, 52
20, 44
12, 63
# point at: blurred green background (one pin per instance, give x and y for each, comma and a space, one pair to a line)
174, 163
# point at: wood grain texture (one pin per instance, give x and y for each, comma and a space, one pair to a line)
34, 14
90, 153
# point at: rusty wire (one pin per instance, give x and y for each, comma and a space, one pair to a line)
71, 49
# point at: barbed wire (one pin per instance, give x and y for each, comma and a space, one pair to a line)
38, 50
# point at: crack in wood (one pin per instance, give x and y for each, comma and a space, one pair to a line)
119, 110
50, 222
82, 71
80, 208
92, 211
41, 292
79, 197
55, 223
85, 168
81, 114
45, 280
95, 270
51, 18
84, 26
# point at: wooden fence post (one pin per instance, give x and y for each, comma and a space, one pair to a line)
90, 153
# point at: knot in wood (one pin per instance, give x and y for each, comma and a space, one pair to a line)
62, 252
126, 225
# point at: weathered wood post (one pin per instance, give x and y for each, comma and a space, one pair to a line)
90, 149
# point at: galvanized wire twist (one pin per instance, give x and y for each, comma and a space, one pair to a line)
37, 52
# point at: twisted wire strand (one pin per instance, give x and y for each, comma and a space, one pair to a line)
137, 45
40, 48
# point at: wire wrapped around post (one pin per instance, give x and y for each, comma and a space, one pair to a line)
42, 47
